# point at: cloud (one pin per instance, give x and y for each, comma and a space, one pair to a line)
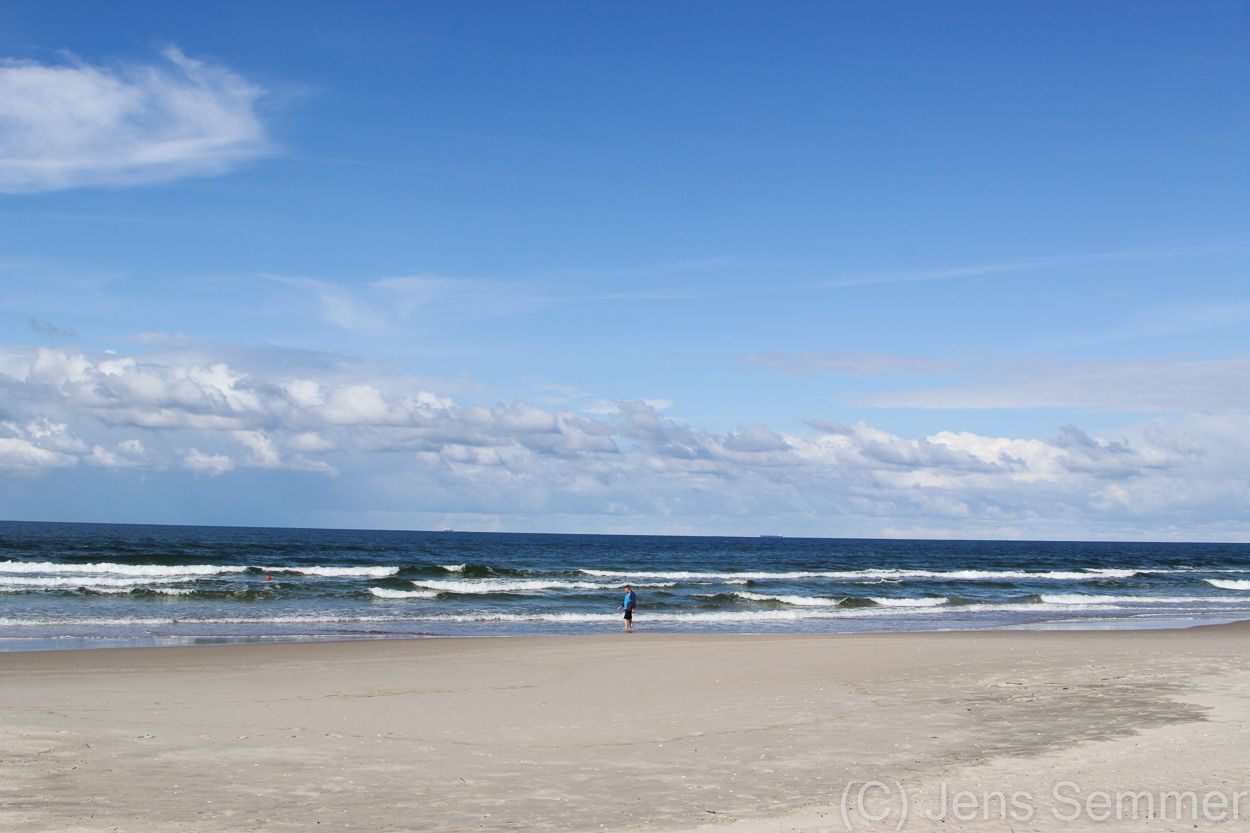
73, 124
339, 306
1160, 386
126, 454
383, 305
394, 445
51, 331
37, 446
212, 464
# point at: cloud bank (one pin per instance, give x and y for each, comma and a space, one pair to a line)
73, 124
623, 466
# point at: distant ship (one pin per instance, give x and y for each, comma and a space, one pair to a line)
772, 536
448, 529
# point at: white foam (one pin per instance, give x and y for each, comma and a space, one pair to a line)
936, 602
748, 616
801, 601
49, 582
1088, 599
508, 585
387, 593
707, 617
1091, 574
109, 568
205, 620
337, 572
1081, 598
454, 568
1229, 583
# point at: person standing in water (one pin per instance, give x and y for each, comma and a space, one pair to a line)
628, 605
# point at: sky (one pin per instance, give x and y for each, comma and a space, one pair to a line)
923, 270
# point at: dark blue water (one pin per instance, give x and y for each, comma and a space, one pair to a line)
74, 585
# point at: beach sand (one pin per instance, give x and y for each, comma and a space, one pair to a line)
647, 731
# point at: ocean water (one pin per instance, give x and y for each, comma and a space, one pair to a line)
83, 585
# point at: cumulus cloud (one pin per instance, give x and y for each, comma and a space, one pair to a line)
410, 445
126, 454
212, 464
74, 124
36, 446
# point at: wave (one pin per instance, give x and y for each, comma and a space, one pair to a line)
336, 572
387, 593
674, 617
295, 619
185, 571
932, 602
1023, 604
827, 601
1089, 599
1085, 574
801, 601
1229, 583
93, 581
453, 568
109, 568
504, 585
745, 616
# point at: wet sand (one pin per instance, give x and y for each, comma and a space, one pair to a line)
646, 731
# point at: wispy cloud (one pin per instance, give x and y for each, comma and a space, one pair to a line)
73, 124
337, 305
1172, 320
378, 306
1025, 265
1146, 386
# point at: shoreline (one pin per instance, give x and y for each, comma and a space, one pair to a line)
1091, 626
664, 732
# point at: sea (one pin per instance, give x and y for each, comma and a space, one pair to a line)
68, 585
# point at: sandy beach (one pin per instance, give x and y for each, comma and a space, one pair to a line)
655, 732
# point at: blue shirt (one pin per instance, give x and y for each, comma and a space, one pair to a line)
629, 602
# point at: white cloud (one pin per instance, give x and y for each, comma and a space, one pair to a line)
126, 454
264, 454
21, 456
71, 125
36, 446
402, 446
213, 464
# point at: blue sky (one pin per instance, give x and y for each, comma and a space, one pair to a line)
969, 270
